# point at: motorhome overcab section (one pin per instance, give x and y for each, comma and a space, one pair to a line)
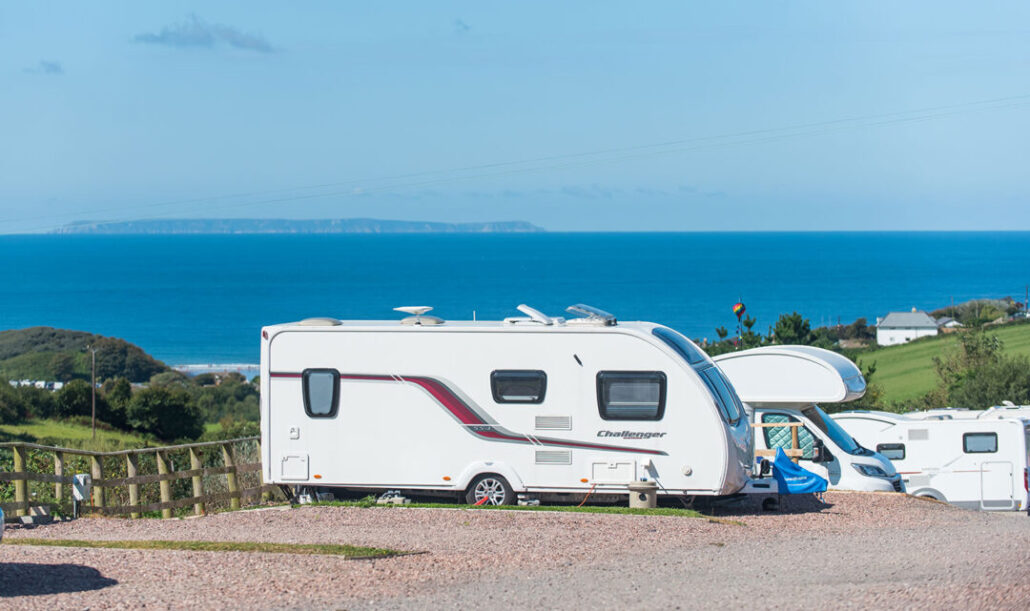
493, 409
784, 384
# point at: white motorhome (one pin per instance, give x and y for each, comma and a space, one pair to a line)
963, 413
784, 384
489, 410
969, 462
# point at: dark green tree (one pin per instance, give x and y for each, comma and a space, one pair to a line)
721, 332
792, 329
168, 414
12, 404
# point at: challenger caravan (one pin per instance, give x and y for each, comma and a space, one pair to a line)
492, 410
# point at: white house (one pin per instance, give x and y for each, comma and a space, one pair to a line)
903, 327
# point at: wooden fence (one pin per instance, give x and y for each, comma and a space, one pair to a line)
212, 465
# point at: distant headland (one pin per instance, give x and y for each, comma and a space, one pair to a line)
241, 226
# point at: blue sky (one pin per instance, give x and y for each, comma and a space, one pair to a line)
574, 115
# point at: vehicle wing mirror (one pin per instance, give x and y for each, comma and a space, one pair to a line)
821, 453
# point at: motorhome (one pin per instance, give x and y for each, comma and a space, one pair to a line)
787, 384
969, 462
489, 410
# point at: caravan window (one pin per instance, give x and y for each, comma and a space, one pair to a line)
690, 353
980, 443
321, 392
891, 451
722, 391
631, 395
518, 386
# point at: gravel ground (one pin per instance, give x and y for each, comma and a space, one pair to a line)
854, 550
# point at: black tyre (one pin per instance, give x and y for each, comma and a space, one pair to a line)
492, 487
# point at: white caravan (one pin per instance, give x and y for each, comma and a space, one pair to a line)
489, 410
973, 463
787, 384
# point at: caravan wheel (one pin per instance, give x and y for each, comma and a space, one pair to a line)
494, 488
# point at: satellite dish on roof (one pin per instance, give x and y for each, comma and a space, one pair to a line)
417, 316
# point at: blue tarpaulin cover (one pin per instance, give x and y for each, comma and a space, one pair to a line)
794, 479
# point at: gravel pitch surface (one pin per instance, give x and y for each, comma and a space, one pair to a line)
853, 550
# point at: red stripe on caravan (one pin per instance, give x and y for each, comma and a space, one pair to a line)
445, 397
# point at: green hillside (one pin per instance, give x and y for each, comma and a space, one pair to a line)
45, 353
906, 372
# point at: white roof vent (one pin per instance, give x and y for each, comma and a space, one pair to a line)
418, 316
591, 316
320, 321
533, 315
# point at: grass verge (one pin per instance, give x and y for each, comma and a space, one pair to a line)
324, 549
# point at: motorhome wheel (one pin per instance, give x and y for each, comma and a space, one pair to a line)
493, 488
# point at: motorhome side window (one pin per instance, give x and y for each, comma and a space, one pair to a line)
518, 386
321, 392
980, 443
781, 436
631, 395
891, 451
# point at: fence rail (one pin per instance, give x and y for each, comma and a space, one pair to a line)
134, 499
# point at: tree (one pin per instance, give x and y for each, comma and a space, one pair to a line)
168, 414
792, 329
721, 332
74, 399
12, 405
170, 379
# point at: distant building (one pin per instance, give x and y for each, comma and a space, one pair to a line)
947, 324
903, 327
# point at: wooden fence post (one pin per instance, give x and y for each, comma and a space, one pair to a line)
230, 477
794, 442
166, 485
97, 468
59, 472
21, 485
132, 470
198, 481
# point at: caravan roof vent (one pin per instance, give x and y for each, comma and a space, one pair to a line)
418, 316
533, 315
321, 321
591, 316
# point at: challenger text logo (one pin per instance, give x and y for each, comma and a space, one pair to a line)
629, 434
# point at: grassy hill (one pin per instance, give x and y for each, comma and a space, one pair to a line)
45, 353
906, 371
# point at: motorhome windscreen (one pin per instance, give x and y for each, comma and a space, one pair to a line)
691, 353
723, 393
834, 431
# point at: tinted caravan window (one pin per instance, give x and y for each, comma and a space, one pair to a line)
321, 392
725, 397
891, 451
518, 386
631, 395
691, 353
980, 443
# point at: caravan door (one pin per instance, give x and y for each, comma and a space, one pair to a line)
996, 485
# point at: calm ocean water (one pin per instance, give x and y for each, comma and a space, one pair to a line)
203, 299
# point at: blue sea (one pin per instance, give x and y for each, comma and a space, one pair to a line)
203, 298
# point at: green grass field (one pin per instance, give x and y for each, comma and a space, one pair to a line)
35, 430
906, 372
